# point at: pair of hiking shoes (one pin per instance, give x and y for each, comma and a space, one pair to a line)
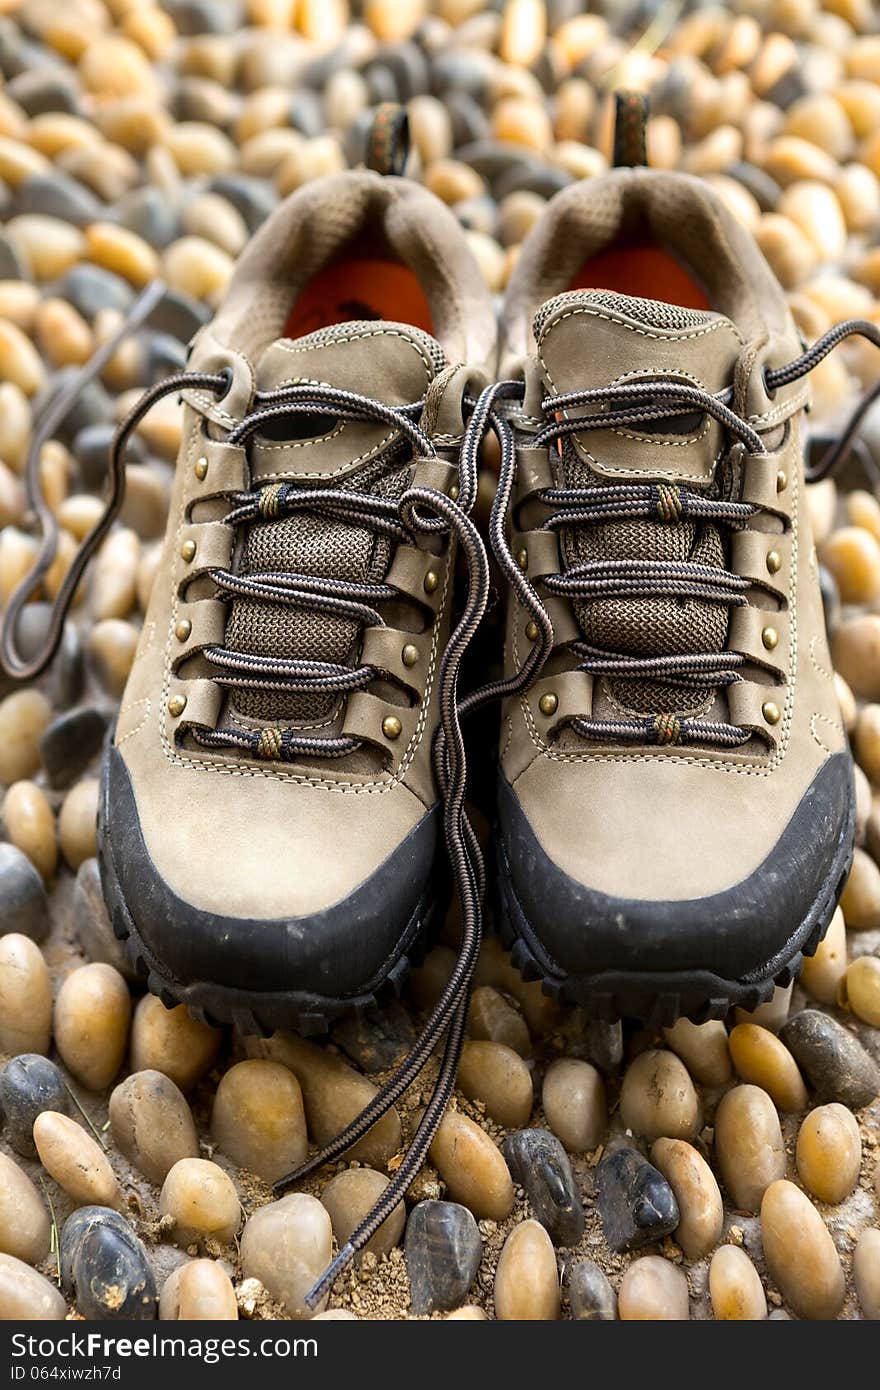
283, 801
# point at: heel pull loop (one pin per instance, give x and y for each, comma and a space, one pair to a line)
630, 129
13, 663
387, 143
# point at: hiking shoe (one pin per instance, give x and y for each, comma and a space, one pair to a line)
269, 819
675, 818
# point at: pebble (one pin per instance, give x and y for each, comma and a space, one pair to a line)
24, 715
653, 1289
538, 1163
258, 1119
114, 575
829, 1153
860, 900
377, 1043
75, 1160
472, 1167
833, 1059
104, 1267
855, 649
657, 1097
25, 997
63, 334
15, 424
860, 989
26, 1296
197, 267
735, 1286
800, 1253
497, 1077
30, 825
170, 1041
636, 1204
200, 1291
760, 1058
29, 1084
121, 251
202, 1202
78, 826
852, 556
469, 1313
70, 742
111, 647
824, 971
350, 1196
590, 1295
443, 1249
24, 1220
526, 1279
866, 1272
91, 1021
287, 1245
24, 906
152, 1124
49, 247
703, 1047
333, 1095
696, 1192
748, 1145
573, 1097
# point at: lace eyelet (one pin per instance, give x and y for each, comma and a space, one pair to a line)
770, 390
228, 377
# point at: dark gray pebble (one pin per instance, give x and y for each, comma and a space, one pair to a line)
376, 1042
539, 1163
24, 906
90, 288
29, 1084
836, 1065
91, 449
443, 1250
58, 195
41, 89
104, 1267
91, 923
70, 743
590, 1295
635, 1202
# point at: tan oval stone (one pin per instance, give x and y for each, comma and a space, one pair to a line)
800, 1253
170, 1041
860, 900
855, 648
653, 1289
24, 1220
258, 1119
197, 267
852, 555
866, 1272
497, 1076
19, 162
791, 254
15, 425
287, 1245
24, 715
122, 251
113, 66
823, 972
697, 1194
25, 997
861, 989
350, 1196
703, 1048
574, 1101
75, 1161
12, 503
829, 1153
334, 1094
199, 148
152, 1124
657, 1098
63, 334
19, 302
111, 645
760, 1058
114, 575
215, 219
469, 1313
526, 1278
78, 822
471, 1165
202, 1201
92, 1016
748, 1145
814, 208
735, 1286
492, 1019
49, 247
26, 1296
200, 1291
30, 825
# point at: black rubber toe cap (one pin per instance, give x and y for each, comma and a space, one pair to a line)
344, 950
738, 934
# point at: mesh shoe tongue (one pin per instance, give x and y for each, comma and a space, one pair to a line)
388, 362
592, 338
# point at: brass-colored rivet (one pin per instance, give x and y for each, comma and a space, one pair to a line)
183, 629
201, 468
391, 726
770, 638
774, 561
771, 712
532, 631
188, 551
781, 480
176, 705
548, 704
410, 655
522, 558
453, 492
432, 579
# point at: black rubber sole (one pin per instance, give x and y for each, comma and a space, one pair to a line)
657, 998
261, 1012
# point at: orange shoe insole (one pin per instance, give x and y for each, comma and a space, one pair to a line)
647, 272
359, 288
